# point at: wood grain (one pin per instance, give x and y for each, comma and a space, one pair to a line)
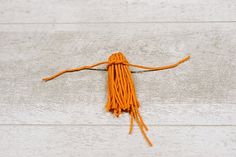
190, 110
199, 92
76, 11
114, 141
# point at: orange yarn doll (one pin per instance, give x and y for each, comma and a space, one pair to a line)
121, 90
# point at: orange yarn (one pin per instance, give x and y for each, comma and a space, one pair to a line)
121, 90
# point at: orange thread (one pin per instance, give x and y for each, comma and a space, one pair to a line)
121, 90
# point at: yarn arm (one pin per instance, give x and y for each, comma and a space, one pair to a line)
73, 70
162, 67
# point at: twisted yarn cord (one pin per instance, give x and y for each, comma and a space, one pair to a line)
121, 90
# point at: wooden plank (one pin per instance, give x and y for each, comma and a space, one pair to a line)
199, 92
76, 11
65, 141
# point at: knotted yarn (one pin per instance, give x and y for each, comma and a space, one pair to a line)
121, 90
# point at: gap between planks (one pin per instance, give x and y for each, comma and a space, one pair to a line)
118, 22
112, 125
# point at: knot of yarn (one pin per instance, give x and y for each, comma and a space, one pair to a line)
117, 58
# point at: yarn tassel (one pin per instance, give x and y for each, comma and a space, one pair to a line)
121, 91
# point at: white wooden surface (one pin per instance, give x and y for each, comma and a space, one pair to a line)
191, 110
114, 141
76, 11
